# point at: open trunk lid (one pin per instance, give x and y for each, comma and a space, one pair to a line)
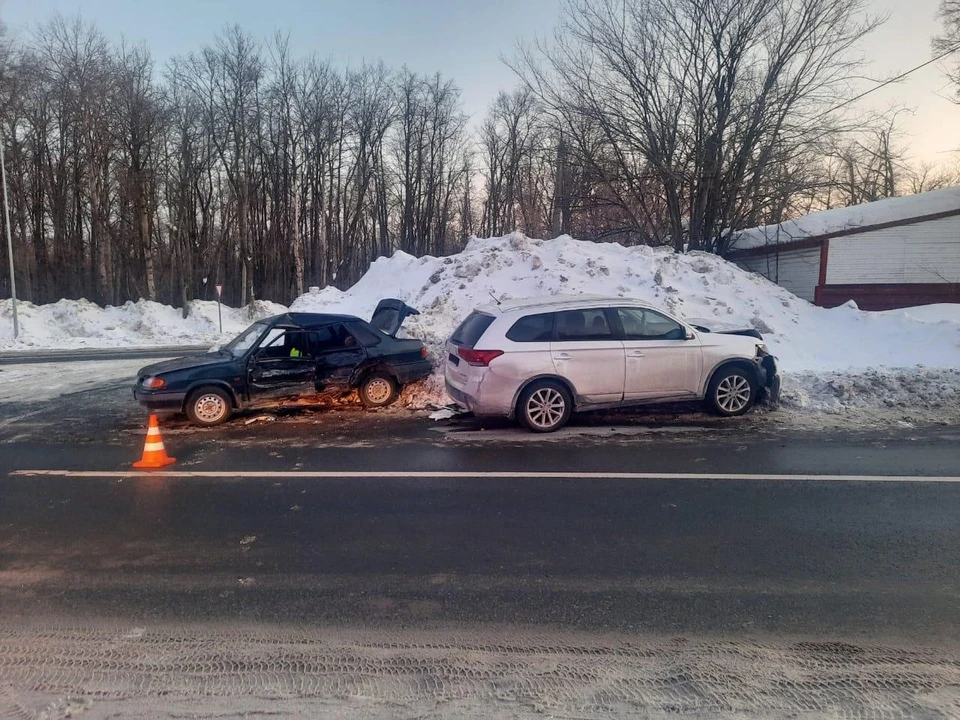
390, 314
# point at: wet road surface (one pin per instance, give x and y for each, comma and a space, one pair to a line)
460, 592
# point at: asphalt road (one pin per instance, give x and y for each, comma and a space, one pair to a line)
21, 357
564, 570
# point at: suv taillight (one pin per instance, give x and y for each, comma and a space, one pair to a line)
478, 358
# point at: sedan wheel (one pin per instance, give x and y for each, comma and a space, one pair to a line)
209, 406
378, 390
544, 407
733, 392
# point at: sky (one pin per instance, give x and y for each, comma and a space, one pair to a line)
465, 40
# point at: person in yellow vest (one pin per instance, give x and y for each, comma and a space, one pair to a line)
295, 351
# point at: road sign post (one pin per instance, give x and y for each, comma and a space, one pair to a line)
219, 314
6, 218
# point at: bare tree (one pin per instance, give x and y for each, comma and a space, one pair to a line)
702, 96
927, 176
949, 39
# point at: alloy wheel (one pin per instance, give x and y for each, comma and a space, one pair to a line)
546, 408
733, 393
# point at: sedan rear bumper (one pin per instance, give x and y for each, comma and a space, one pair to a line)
408, 372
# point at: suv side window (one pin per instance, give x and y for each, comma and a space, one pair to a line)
583, 325
639, 324
532, 328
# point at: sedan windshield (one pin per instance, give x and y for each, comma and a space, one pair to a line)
245, 340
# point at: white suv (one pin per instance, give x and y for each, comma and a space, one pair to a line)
541, 359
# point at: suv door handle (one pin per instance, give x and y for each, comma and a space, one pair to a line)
637, 353
562, 356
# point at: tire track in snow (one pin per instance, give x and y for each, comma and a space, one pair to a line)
581, 673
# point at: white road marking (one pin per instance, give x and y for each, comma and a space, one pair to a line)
480, 475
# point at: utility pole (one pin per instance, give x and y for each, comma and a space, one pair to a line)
6, 221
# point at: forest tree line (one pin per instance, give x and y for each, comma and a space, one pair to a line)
644, 121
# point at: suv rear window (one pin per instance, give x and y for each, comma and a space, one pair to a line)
532, 328
471, 329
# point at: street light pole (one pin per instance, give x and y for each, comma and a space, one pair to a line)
6, 222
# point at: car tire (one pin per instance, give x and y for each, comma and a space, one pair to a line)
544, 406
209, 406
732, 391
378, 390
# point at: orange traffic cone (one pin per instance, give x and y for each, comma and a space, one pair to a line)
154, 454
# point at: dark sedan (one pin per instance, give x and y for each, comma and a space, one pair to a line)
287, 359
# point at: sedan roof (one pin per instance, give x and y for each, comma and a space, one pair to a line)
307, 320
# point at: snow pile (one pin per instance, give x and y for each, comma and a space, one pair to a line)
888, 210
81, 323
694, 285
902, 389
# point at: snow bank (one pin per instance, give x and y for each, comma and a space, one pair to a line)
81, 323
694, 285
829, 221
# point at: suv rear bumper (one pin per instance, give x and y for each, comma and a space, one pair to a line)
501, 406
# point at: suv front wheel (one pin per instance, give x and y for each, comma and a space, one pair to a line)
733, 391
544, 406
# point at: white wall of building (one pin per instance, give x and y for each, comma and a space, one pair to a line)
926, 252
796, 270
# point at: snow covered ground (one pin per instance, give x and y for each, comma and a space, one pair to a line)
839, 360
46, 381
83, 324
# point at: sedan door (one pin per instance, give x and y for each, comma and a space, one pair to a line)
660, 359
587, 352
283, 366
338, 354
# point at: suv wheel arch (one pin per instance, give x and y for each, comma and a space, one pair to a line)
556, 378
747, 365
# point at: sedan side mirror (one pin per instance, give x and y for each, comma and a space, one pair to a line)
689, 335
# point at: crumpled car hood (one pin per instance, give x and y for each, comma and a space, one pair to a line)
190, 361
717, 326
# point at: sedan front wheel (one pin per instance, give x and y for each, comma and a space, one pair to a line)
209, 406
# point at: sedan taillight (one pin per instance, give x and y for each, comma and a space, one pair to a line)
478, 358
